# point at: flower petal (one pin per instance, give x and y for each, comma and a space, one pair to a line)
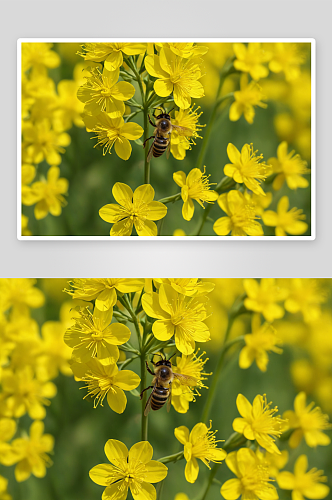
156, 471
123, 148
180, 178
116, 451
163, 329
191, 470
117, 399
141, 452
182, 434
100, 474
151, 306
123, 194
144, 193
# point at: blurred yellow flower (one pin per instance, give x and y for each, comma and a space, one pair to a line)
260, 202
262, 340
177, 75
41, 142
185, 50
253, 478
241, 217
285, 221
246, 167
186, 286
308, 422
199, 443
249, 96
23, 393
194, 186
180, 143
273, 461
131, 469
113, 132
287, 57
25, 231
135, 209
4, 495
20, 293
263, 297
289, 168
93, 335
106, 381
179, 232
258, 422
302, 483
103, 92
32, 452
250, 59
39, 56
111, 53
177, 315
7, 431
48, 194
306, 296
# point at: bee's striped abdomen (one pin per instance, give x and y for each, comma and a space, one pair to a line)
159, 397
160, 145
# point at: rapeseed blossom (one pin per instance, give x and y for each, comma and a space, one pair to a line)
287, 57
263, 297
41, 142
246, 167
181, 141
250, 59
131, 469
303, 483
201, 444
249, 96
253, 478
179, 316
241, 217
306, 296
258, 422
135, 209
111, 53
39, 56
285, 221
289, 168
308, 422
194, 186
186, 286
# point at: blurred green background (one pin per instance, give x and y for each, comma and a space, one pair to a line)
91, 175
81, 431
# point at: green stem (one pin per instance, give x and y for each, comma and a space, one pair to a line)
127, 362
144, 426
126, 303
171, 199
217, 371
172, 458
210, 480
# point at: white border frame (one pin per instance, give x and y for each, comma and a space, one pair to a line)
312, 41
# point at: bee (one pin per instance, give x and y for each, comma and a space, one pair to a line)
162, 134
162, 381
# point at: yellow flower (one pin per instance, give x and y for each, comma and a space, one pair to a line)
135, 209
260, 202
39, 56
177, 75
103, 92
302, 483
262, 297
187, 118
250, 59
246, 167
28, 175
181, 496
289, 168
258, 343
200, 443
106, 381
285, 222
111, 53
179, 232
241, 217
185, 50
306, 295
20, 293
186, 286
258, 422
48, 194
40, 143
93, 335
249, 96
32, 452
4, 495
69, 108
287, 57
253, 478
113, 132
132, 469
7, 431
191, 366
179, 316
308, 422
194, 186
22, 393
25, 231
273, 461
103, 290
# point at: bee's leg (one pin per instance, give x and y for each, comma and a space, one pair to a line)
150, 387
153, 124
148, 368
147, 140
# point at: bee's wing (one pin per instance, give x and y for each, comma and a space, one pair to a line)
185, 379
168, 147
148, 403
183, 130
150, 153
169, 400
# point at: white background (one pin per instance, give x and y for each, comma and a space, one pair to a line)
173, 18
